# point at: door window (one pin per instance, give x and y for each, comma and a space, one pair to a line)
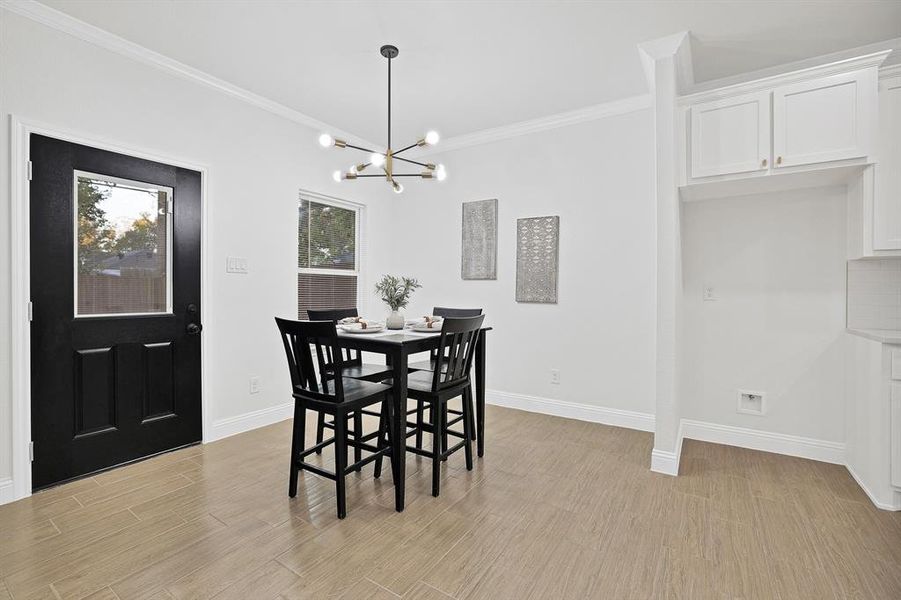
123, 247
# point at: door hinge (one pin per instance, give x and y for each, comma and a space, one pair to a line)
30, 170
31, 451
30, 311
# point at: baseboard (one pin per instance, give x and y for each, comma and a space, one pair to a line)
224, 428
778, 443
664, 462
893, 506
572, 410
6, 491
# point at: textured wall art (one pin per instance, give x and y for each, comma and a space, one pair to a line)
537, 243
480, 240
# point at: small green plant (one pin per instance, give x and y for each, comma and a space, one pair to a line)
396, 291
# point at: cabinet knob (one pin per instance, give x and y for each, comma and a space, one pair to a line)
763, 163
778, 160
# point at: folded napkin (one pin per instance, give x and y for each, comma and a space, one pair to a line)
429, 322
360, 323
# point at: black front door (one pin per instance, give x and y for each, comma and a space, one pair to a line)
115, 291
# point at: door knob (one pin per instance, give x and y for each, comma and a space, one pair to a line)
193, 328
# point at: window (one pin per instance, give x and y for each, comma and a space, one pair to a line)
123, 247
328, 254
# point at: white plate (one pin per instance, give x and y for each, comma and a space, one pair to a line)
423, 329
370, 329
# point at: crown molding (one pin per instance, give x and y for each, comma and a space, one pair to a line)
890, 71
847, 65
60, 21
564, 119
676, 46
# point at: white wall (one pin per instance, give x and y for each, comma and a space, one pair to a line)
777, 265
598, 177
257, 162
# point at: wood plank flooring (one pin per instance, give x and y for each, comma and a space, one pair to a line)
556, 509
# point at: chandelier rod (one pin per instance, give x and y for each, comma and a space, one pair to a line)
389, 102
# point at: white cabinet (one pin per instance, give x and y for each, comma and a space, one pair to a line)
823, 120
730, 136
887, 192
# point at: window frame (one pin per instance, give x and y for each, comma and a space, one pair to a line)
359, 239
170, 230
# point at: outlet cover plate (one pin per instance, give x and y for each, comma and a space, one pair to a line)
751, 402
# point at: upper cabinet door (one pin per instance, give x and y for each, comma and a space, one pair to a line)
887, 196
730, 136
823, 120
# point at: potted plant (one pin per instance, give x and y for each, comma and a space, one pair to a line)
396, 292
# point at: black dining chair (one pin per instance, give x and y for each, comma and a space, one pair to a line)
439, 311
354, 367
329, 392
457, 343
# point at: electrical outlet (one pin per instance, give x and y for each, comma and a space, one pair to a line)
555, 376
254, 385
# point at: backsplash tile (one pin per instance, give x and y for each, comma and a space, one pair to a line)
874, 293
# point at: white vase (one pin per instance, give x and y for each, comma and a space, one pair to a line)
395, 320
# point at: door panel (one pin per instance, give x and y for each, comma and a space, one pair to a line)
115, 266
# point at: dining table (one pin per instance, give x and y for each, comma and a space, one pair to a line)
397, 346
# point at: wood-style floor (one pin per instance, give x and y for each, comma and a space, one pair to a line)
556, 509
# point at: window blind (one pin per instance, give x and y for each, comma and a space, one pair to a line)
327, 256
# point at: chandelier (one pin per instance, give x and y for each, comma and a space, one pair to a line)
385, 161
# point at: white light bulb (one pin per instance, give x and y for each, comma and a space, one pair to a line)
441, 173
377, 159
325, 140
398, 188
337, 176
432, 137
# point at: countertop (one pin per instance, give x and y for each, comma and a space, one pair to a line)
886, 336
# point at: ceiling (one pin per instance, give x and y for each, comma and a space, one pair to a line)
469, 66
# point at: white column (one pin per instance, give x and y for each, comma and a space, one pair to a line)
667, 62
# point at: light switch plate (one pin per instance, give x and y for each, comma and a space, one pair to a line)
236, 264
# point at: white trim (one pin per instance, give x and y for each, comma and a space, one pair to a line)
223, 428
86, 32
791, 78
665, 463
890, 71
6, 491
896, 495
753, 439
20, 326
564, 119
572, 410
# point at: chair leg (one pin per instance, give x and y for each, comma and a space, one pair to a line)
383, 432
358, 433
297, 444
340, 462
467, 427
444, 428
436, 448
320, 430
419, 411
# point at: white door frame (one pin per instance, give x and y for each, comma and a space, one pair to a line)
20, 325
